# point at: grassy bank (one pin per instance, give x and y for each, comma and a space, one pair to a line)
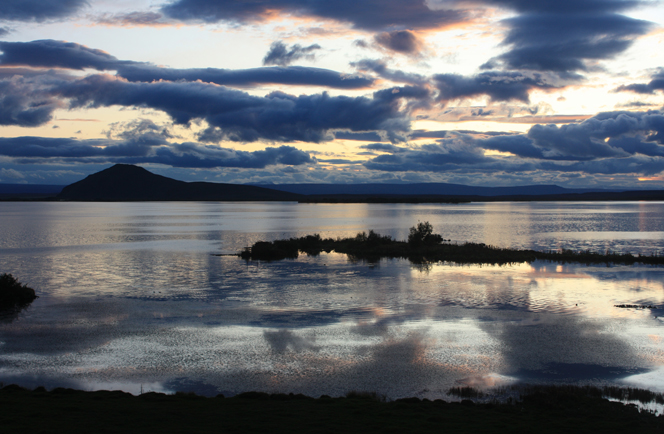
373, 247
543, 410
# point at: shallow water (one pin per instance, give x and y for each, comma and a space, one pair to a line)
131, 298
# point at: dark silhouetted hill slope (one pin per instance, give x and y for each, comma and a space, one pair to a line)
125, 182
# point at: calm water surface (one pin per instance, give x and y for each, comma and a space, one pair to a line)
131, 298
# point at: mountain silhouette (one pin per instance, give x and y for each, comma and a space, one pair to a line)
125, 182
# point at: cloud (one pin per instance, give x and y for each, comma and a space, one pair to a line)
39, 10
384, 147
519, 145
150, 147
380, 67
59, 54
11, 173
610, 134
565, 42
281, 55
498, 86
197, 156
401, 41
367, 136
611, 142
25, 101
291, 75
460, 151
48, 53
243, 117
566, 6
656, 83
131, 19
366, 15
606, 134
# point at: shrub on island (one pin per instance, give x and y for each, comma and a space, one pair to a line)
425, 247
13, 293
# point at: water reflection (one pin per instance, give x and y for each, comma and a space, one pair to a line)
140, 301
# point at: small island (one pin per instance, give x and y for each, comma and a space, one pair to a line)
424, 246
13, 294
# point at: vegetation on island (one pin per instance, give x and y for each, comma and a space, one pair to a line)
424, 246
13, 294
543, 409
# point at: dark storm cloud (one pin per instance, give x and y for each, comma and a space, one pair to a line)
656, 83
59, 54
279, 54
147, 148
564, 42
380, 67
499, 86
401, 41
39, 10
244, 117
367, 14
4, 31
291, 75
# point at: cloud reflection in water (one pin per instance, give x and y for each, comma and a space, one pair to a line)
325, 325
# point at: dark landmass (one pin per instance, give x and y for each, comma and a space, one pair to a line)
373, 247
541, 409
652, 195
13, 294
386, 198
124, 182
427, 189
25, 192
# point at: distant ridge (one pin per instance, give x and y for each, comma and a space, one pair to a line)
125, 182
29, 191
429, 189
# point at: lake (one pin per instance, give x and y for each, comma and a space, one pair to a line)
133, 298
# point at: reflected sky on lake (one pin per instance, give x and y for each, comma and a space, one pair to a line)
131, 296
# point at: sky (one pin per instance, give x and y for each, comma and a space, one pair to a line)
477, 92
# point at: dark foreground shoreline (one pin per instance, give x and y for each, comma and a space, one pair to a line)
546, 409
